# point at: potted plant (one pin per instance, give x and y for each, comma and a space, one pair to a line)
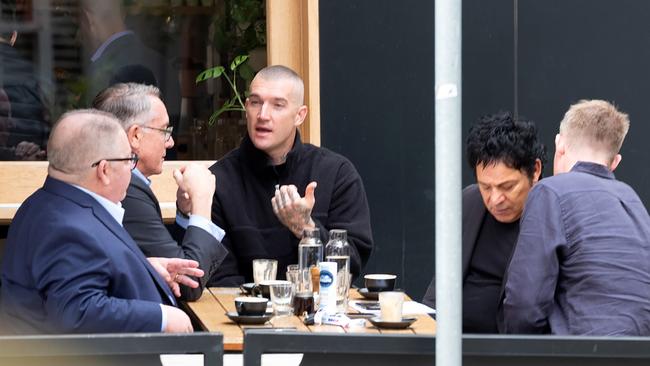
236, 102
227, 124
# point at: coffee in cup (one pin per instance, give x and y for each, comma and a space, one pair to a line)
251, 306
380, 282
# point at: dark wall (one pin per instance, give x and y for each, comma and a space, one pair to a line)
528, 56
376, 109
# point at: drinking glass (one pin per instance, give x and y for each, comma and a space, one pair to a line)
282, 298
264, 269
300, 279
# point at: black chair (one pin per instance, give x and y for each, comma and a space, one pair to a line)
506, 350
340, 348
108, 349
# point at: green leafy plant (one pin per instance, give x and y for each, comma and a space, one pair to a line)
236, 102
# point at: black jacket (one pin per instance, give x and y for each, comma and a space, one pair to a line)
143, 221
473, 214
242, 206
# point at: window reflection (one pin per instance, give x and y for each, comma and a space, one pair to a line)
56, 55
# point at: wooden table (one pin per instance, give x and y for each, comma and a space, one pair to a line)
210, 311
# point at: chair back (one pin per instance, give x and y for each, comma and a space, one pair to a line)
108, 349
340, 348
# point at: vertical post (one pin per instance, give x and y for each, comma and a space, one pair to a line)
448, 14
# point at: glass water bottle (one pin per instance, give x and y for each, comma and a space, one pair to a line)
338, 250
310, 253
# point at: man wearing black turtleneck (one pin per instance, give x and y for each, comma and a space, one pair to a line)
262, 222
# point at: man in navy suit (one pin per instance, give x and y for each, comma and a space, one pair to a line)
69, 265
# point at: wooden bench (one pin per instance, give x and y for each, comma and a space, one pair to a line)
18, 180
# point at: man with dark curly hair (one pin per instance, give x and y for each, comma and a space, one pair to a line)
507, 159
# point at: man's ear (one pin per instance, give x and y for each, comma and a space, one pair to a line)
538, 170
300, 116
617, 160
134, 135
102, 172
560, 148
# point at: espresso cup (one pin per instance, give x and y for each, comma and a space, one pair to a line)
380, 282
251, 306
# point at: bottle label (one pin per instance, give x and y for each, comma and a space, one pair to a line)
326, 278
328, 286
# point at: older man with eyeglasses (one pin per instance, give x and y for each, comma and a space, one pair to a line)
144, 118
69, 265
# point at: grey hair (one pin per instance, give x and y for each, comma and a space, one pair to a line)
128, 102
280, 72
81, 137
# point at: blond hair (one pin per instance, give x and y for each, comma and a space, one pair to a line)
595, 124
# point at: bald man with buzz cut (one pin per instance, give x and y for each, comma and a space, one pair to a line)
316, 187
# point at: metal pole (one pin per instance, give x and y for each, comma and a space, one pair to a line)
448, 182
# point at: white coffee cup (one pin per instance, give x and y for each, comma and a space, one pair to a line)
390, 304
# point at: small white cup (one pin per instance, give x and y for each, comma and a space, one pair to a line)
390, 303
282, 297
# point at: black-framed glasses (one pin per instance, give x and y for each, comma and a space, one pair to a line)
166, 131
133, 159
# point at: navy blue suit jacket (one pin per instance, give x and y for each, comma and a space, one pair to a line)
69, 267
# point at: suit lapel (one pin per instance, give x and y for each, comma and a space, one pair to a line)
473, 215
85, 200
138, 185
121, 233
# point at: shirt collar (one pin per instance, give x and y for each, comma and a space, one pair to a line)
262, 160
100, 50
139, 174
114, 209
594, 169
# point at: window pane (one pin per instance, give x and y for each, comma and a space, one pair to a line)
56, 55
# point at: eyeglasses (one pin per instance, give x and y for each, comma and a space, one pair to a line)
133, 159
166, 131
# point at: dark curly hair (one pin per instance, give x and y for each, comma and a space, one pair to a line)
500, 138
